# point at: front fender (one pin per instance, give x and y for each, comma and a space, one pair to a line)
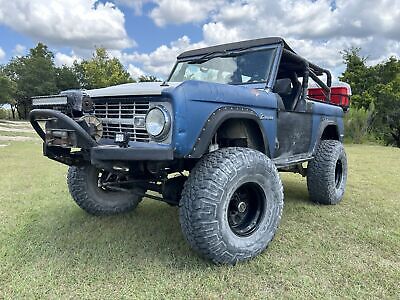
214, 122
194, 103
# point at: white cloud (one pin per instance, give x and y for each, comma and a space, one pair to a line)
76, 23
61, 59
135, 71
318, 30
314, 29
183, 11
2, 54
160, 61
19, 50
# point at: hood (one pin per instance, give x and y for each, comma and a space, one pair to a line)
130, 89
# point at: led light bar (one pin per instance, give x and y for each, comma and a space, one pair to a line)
49, 100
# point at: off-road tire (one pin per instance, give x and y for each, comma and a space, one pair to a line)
327, 173
206, 200
82, 185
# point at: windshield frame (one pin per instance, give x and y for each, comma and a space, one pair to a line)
276, 52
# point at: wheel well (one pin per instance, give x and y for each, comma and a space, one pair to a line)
330, 133
240, 133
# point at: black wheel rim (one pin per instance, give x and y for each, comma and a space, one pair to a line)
338, 173
246, 209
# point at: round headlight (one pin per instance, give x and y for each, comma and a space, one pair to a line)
158, 122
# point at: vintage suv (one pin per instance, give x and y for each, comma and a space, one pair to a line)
210, 140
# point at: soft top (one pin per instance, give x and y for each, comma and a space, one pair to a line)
236, 46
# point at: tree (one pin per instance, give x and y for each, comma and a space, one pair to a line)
386, 94
7, 89
101, 71
148, 78
387, 71
7, 92
387, 111
377, 88
66, 79
33, 75
359, 76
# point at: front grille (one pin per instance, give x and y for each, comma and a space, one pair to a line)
123, 115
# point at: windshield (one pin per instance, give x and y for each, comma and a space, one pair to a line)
232, 68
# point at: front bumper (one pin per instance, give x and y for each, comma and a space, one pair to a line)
91, 150
135, 151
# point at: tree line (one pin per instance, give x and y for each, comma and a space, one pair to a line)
36, 74
375, 104
374, 110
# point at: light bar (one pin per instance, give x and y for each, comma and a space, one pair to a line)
49, 100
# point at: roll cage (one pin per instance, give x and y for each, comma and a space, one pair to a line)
288, 64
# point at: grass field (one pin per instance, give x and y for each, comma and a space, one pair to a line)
49, 248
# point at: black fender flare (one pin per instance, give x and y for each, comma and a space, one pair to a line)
215, 120
323, 125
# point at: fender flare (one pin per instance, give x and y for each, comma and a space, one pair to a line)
323, 125
215, 120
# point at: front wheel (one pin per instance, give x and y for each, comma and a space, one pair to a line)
327, 173
88, 187
231, 205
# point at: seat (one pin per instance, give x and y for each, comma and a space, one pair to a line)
283, 88
295, 94
289, 89
236, 77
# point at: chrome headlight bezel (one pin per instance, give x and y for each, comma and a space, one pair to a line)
162, 134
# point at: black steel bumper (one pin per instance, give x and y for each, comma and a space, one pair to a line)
135, 151
58, 120
91, 150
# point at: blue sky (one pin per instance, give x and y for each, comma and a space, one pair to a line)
147, 35
141, 27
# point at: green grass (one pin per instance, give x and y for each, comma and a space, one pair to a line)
50, 248
13, 133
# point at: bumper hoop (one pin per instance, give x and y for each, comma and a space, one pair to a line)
97, 153
84, 140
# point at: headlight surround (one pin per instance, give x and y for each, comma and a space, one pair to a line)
158, 122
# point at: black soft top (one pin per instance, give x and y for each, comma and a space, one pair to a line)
236, 46
289, 56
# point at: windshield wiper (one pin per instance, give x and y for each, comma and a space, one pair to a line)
221, 53
206, 57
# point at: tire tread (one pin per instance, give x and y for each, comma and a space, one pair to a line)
198, 204
77, 185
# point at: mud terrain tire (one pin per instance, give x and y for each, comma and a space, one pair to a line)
231, 205
83, 187
327, 173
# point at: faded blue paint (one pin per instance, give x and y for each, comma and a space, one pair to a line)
327, 113
324, 109
195, 101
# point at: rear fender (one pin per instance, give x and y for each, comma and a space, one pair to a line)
328, 130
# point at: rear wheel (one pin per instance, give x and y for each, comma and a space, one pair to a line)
327, 173
231, 205
93, 191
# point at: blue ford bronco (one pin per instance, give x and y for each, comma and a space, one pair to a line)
211, 140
